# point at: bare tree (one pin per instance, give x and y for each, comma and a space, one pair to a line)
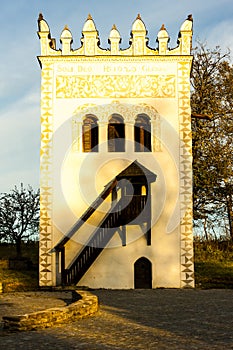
19, 215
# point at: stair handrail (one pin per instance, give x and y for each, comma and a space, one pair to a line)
90, 210
111, 211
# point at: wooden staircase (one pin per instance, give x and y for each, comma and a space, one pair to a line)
133, 208
93, 247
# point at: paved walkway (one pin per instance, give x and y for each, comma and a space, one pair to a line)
158, 319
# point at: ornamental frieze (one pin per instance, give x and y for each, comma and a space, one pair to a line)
115, 86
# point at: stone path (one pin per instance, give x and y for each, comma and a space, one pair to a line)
158, 319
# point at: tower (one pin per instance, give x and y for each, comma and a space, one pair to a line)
116, 160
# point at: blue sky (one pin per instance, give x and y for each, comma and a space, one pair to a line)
20, 71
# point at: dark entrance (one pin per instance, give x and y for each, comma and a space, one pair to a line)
143, 273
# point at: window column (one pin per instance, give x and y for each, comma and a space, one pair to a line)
103, 142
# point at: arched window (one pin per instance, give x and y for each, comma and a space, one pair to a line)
143, 191
90, 134
116, 134
142, 133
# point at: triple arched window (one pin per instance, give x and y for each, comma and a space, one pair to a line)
116, 134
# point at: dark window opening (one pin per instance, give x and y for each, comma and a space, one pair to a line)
116, 134
142, 134
90, 134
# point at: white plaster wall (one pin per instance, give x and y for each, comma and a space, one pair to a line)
80, 177
114, 268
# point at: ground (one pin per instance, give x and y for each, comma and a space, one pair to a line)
161, 319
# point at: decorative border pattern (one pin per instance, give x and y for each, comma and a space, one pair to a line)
115, 86
117, 59
187, 263
45, 261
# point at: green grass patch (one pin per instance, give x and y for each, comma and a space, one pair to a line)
213, 264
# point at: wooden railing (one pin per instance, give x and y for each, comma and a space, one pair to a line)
133, 210
86, 215
93, 247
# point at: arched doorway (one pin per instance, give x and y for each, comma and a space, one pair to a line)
142, 273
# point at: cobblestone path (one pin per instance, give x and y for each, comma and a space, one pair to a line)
160, 319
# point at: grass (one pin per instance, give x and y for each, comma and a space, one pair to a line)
14, 280
213, 266
17, 281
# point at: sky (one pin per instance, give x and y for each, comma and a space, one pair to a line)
20, 71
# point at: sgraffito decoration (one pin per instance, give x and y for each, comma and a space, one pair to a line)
113, 86
187, 267
46, 226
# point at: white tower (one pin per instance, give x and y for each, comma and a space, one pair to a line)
116, 160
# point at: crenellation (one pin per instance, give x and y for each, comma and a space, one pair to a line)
114, 40
90, 41
163, 39
185, 36
66, 41
138, 38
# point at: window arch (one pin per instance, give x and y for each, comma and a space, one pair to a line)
116, 134
90, 134
142, 133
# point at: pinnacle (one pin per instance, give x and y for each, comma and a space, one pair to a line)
190, 17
